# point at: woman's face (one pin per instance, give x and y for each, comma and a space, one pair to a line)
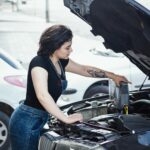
64, 51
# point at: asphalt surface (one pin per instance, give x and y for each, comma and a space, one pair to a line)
30, 18
35, 11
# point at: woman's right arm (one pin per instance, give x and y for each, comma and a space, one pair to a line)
40, 82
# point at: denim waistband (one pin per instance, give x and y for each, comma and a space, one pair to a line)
33, 110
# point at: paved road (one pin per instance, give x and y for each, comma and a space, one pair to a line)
31, 17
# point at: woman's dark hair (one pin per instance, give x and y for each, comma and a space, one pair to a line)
53, 38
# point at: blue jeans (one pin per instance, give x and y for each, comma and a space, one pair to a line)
25, 126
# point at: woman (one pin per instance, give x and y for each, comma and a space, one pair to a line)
46, 81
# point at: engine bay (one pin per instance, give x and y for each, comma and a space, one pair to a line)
104, 119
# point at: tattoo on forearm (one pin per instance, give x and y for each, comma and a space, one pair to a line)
95, 73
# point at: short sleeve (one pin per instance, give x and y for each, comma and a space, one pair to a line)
64, 62
38, 61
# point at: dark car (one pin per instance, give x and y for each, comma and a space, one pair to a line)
120, 120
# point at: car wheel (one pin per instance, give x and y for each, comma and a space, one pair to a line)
95, 91
4, 139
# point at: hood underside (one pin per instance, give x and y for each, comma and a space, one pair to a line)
124, 25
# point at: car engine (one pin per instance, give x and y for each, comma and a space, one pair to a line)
108, 122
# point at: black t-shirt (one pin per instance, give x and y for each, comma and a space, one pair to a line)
54, 81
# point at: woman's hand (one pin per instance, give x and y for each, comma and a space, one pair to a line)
118, 78
74, 118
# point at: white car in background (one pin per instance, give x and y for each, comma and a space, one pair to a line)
92, 52
12, 91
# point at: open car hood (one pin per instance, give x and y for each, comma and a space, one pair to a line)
124, 25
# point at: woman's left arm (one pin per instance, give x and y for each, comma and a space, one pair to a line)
94, 72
